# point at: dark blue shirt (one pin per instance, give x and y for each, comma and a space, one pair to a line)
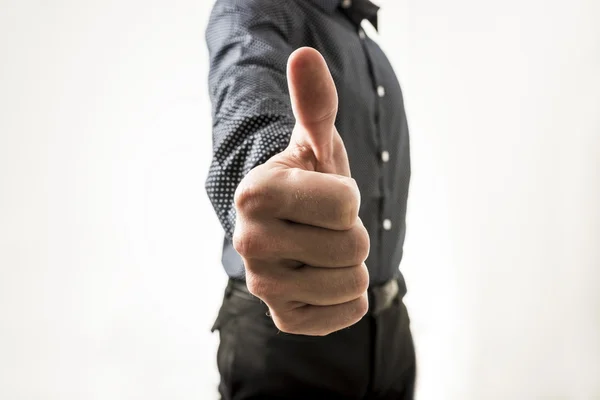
249, 42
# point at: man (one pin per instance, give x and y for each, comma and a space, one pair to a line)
309, 179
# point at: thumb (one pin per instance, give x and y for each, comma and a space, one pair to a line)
314, 102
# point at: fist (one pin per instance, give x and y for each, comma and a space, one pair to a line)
297, 226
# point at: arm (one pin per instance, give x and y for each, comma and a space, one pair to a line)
252, 115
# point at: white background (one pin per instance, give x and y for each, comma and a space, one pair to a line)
109, 250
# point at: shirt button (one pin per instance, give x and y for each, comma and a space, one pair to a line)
361, 34
387, 224
346, 3
380, 91
385, 156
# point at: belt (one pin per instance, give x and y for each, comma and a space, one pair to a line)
381, 297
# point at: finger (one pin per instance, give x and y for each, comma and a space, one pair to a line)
314, 101
283, 285
305, 197
328, 286
322, 200
320, 247
321, 320
301, 244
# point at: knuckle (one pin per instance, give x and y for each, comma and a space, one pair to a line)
250, 196
362, 244
262, 286
256, 284
287, 325
360, 279
247, 244
361, 307
239, 241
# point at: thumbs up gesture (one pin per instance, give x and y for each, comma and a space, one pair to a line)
297, 226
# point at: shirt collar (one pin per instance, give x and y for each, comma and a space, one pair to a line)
359, 10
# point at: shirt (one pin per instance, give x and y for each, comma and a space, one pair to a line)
249, 42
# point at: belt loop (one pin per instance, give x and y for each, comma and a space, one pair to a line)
383, 296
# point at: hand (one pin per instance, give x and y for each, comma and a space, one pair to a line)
297, 226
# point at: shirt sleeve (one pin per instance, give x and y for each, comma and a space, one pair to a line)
249, 45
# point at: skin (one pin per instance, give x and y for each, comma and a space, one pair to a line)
297, 226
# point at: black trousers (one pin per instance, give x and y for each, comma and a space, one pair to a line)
374, 359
